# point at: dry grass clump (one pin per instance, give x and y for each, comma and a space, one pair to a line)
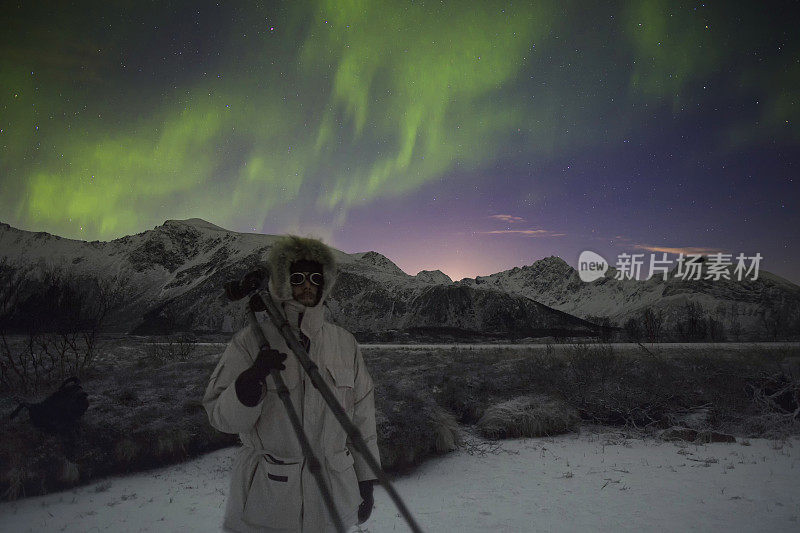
126, 451
410, 425
448, 434
527, 416
467, 397
28, 467
172, 444
12, 479
69, 474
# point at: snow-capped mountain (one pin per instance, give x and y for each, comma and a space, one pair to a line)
175, 274
177, 270
762, 308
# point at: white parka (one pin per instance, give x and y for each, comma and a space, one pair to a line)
271, 488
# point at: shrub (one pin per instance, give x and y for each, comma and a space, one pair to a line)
174, 348
60, 314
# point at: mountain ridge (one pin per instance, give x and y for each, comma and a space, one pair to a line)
177, 264
179, 268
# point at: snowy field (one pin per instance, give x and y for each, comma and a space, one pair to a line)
594, 481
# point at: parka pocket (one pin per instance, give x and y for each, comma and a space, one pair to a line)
275, 495
343, 379
343, 483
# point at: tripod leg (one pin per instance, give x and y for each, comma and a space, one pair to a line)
316, 379
312, 462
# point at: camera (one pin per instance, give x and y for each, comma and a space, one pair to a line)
250, 282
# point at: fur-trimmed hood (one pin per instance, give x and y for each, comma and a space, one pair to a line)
292, 248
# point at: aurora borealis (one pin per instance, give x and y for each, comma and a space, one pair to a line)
466, 136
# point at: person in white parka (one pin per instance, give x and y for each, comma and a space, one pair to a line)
271, 488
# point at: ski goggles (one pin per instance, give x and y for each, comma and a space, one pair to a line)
298, 278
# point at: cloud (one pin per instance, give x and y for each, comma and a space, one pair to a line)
686, 250
524, 232
511, 219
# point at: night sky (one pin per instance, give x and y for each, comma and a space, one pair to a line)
466, 136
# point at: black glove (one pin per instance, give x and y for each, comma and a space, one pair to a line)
365, 509
248, 384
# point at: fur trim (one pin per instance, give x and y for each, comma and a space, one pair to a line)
292, 248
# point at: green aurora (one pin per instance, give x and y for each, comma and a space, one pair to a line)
115, 118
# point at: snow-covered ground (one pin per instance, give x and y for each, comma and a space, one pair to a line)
593, 481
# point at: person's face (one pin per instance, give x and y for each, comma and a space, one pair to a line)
306, 293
